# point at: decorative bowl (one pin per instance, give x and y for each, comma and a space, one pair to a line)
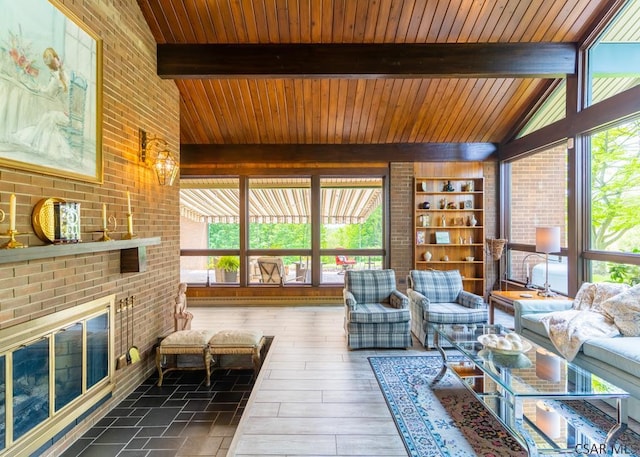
526, 346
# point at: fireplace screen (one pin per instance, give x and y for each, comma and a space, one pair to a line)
97, 349
52, 371
30, 386
68, 365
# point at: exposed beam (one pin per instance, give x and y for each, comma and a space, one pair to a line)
442, 60
197, 156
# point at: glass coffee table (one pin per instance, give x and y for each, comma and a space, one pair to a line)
519, 389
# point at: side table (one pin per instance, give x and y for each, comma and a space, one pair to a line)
505, 298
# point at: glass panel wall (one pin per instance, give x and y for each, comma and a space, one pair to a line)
553, 109
614, 59
615, 188
351, 220
209, 219
538, 198
614, 236
279, 229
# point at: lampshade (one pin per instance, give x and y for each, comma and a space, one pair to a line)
548, 239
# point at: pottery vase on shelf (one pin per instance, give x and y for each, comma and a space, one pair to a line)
426, 220
426, 256
472, 221
424, 186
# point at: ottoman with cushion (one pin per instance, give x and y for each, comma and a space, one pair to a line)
238, 342
192, 342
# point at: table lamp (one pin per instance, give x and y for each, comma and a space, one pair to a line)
547, 241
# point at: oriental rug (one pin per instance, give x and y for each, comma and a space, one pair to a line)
447, 420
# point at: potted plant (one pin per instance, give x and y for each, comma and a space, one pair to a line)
230, 265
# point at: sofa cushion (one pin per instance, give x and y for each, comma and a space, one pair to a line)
187, 338
377, 313
621, 352
437, 286
584, 297
236, 338
452, 313
624, 309
370, 286
532, 322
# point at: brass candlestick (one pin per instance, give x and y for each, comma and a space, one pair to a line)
105, 230
12, 243
129, 235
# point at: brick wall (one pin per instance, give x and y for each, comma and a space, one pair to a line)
133, 97
538, 198
401, 226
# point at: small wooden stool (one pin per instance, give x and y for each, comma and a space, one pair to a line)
237, 342
192, 342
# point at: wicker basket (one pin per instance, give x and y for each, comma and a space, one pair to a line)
495, 247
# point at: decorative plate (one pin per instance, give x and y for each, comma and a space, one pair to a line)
42, 219
526, 346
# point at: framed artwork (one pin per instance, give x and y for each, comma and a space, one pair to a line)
468, 204
420, 237
50, 91
442, 238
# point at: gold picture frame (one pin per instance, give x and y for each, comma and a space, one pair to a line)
51, 71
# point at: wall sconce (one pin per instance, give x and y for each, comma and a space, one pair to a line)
162, 161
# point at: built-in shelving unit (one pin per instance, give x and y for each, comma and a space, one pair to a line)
60, 250
449, 234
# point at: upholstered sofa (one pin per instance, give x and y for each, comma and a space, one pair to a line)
437, 297
613, 358
376, 314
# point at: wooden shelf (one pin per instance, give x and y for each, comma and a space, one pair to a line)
468, 204
61, 250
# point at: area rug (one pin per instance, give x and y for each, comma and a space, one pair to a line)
449, 421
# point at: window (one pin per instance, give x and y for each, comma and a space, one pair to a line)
351, 216
615, 202
553, 109
279, 226
209, 220
614, 59
538, 198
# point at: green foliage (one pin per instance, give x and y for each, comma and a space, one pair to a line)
224, 236
228, 263
615, 184
624, 273
279, 236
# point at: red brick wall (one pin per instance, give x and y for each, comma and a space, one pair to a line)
538, 198
133, 97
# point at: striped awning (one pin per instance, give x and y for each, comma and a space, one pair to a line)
280, 200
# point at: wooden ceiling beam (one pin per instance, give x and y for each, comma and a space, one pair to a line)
438, 60
198, 156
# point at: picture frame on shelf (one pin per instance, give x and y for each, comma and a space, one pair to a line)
442, 238
420, 237
468, 204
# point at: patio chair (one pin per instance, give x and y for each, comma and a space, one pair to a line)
271, 270
376, 313
437, 297
344, 262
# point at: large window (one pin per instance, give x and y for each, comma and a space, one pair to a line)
615, 201
285, 220
538, 198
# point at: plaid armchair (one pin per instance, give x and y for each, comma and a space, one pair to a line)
376, 314
437, 297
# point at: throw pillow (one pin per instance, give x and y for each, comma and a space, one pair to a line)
624, 309
603, 292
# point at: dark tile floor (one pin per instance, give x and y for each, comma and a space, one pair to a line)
175, 419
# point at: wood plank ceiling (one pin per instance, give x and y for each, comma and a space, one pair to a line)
387, 109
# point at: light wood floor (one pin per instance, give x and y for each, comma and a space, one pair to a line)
313, 396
